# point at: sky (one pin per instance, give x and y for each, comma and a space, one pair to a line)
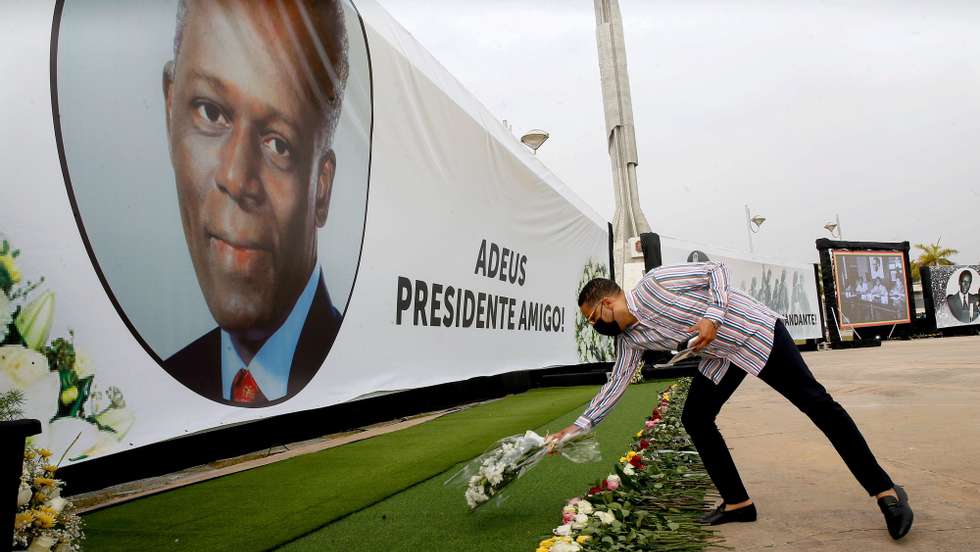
804, 111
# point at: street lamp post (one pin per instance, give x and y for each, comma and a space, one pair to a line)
834, 228
750, 222
534, 138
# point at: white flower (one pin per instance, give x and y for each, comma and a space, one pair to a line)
614, 480
580, 521
64, 547
42, 543
63, 431
569, 510
119, 419
22, 365
563, 530
605, 517
628, 469
565, 547
24, 494
57, 504
6, 315
83, 365
475, 496
584, 507
533, 440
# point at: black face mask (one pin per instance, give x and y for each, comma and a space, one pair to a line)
610, 329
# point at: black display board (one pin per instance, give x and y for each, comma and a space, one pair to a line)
830, 292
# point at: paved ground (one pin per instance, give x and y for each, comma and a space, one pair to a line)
918, 405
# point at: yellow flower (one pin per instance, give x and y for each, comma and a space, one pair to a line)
23, 521
29, 454
582, 539
44, 519
44, 482
50, 469
7, 262
639, 433
45, 453
622, 460
547, 542
566, 539
630, 455
543, 549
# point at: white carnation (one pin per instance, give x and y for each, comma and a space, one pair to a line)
563, 530
605, 517
584, 507
580, 521
57, 504
565, 547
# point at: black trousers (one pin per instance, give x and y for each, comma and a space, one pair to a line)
785, 372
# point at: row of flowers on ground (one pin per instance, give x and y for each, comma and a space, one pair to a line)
652, 499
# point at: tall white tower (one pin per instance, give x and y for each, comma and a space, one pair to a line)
629, 220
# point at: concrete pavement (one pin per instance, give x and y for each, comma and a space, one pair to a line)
917, 404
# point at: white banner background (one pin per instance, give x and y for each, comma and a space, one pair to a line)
445, 177
796, 299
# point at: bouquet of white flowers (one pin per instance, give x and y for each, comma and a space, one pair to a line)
511, 457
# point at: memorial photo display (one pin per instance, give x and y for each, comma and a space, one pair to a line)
871, 288
955, 293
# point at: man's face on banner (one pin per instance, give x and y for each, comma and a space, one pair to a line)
965, 280
251, 188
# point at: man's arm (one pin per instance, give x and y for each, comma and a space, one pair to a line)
627, 359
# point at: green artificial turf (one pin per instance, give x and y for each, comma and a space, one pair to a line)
265, 507
433, 517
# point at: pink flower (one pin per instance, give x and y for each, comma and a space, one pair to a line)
612, 482
649, 424
567, 517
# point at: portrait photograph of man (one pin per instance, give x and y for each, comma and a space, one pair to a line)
264, 113
963, 301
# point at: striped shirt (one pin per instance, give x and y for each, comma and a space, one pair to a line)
668, 301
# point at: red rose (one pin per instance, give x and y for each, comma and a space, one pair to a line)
636, 461
656, 416
644, 444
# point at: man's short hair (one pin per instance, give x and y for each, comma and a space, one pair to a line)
596, 290
318, 34
966, 274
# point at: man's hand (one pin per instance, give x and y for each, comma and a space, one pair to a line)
707, 330
555, 439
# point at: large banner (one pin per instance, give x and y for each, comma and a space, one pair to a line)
871, 288
230, 211
955, 293
790, 289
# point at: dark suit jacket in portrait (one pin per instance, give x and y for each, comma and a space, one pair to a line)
198, 365
961, 310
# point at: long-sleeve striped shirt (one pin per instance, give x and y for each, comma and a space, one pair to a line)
669, 300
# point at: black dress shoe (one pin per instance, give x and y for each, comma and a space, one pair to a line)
898, 513
719, 515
